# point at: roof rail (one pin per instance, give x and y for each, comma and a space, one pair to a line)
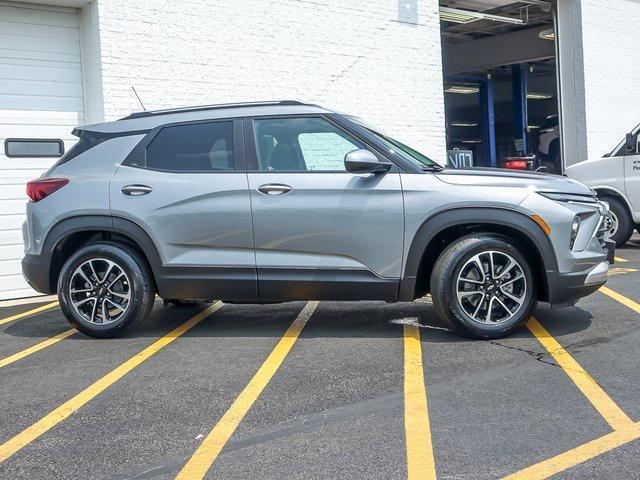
167, 111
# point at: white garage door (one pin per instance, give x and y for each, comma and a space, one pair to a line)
40, 98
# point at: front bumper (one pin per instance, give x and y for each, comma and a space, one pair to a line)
567, 288
35, 269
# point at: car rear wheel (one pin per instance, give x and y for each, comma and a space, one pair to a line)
483, 287
619, 226
105, 290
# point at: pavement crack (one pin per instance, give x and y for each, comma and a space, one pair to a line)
539, 356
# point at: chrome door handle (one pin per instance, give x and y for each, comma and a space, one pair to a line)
274, 189
136, 190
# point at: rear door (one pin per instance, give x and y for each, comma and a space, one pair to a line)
186, 185
321, 232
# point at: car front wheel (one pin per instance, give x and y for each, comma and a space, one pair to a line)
105, 290
483, 287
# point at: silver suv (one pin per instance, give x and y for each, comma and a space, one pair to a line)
282, 201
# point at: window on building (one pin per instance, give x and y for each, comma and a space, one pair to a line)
197, 147
33, 147
302, 144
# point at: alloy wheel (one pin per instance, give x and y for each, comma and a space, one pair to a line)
100, 291
611, 225
491, 287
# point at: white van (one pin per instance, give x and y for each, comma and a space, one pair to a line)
616, 178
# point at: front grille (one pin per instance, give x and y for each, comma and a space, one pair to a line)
602, 228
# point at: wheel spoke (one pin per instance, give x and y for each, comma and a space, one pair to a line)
470, 280
82, 290
93, 271
489, 310
507, 268
105, 313
120, 295
518, 300
119, 307
84, 276
504, 306
94, 310
121, 274
492, 269
478, 264
109, 268
517, 277
475, 312
83, 301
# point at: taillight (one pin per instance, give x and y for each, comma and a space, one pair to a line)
516, 164
41, 188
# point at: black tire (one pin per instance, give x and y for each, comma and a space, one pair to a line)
141, 285
625, 222
444, 289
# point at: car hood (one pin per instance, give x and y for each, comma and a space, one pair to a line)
499, 177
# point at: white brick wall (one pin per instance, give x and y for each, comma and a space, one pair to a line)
349, 56
610, 33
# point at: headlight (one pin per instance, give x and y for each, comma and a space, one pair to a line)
575, 228
569, 197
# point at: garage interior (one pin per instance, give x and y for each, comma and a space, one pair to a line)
500, 82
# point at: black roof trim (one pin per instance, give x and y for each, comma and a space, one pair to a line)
152, 113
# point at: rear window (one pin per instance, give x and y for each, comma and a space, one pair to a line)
196, 147
86, 141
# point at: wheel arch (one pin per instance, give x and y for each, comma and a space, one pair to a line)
438, 231
71, 233
606, 190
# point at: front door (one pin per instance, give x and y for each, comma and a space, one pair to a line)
188, 189
321, 232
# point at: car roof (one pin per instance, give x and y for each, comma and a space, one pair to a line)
147, 120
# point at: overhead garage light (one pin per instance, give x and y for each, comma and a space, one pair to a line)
538, 96
472, 141
549, 34
456, 15
463, 124
462, 89
533, 127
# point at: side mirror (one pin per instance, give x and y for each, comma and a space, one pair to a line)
630, 143
363, 161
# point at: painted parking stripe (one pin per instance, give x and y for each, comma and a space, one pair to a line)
578, 455
619, 260
28, 313
627, 302
605, 406
58, 415
420, 459
198, 465
37, 347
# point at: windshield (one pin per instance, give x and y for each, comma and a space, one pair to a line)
416, 157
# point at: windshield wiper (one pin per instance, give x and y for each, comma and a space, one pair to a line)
432, 168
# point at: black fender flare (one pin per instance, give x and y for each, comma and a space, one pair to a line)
459, 216
104, 223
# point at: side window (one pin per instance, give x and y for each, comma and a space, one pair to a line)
197, 147
302, 144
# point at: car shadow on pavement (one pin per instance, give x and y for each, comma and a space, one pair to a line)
331, 319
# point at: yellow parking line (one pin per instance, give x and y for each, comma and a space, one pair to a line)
50, 420
621, 298
37, 347
28, 312
605, 406
578, 455
620, 260
420, 460
209, 449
